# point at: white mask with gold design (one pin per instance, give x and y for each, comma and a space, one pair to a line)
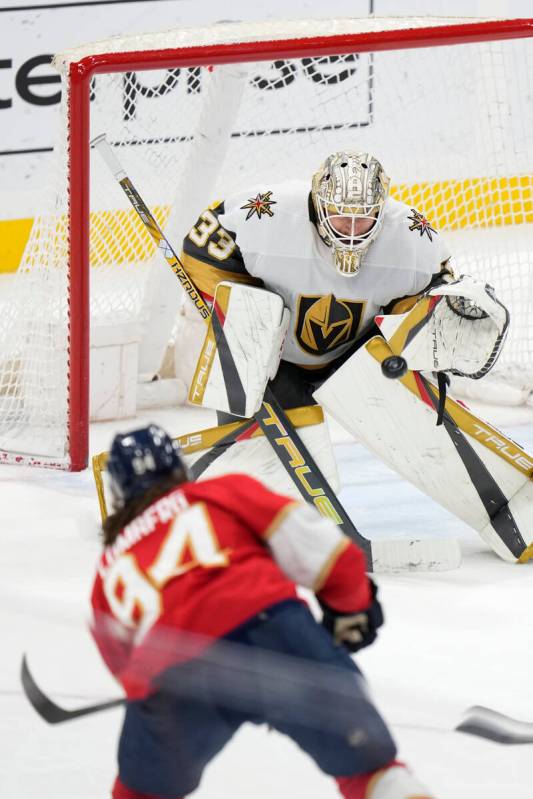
349, 192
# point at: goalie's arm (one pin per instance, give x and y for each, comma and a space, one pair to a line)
401, 305
211, 254
241, 349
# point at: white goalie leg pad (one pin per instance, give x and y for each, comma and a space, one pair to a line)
459, 326
255, 456
465, 464
205, 454
234, 368
241, 447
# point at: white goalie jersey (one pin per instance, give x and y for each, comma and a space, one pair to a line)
266, 236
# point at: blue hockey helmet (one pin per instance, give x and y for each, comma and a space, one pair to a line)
140, 459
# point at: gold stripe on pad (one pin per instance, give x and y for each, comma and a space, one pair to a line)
222, 298
398, 339
305, 416
526, 555
203, 368
405, 304
208, 352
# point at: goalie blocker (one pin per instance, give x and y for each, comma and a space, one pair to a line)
234, 368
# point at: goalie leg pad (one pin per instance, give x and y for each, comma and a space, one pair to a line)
241, 350
466, 465
242, 447
254, 455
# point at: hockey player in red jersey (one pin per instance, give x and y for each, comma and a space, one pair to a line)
196, 613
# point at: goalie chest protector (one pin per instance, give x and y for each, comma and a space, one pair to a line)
280, 245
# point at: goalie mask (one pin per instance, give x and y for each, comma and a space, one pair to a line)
349, 192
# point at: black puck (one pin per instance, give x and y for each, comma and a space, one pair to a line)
394, 366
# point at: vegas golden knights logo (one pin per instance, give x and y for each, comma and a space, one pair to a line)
324, 322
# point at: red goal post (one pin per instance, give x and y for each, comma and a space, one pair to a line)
47, 423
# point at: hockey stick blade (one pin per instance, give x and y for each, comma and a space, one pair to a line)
493, 726
48, 710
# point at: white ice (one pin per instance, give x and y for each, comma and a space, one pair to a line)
451, 640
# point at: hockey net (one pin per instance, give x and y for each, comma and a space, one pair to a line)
196, 114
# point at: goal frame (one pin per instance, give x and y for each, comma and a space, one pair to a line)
79, 76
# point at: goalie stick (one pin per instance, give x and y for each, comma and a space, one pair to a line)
279, 431
48, 710
493, 726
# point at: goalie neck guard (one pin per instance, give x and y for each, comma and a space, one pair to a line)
349, 192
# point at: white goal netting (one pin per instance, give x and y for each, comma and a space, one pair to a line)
453, 126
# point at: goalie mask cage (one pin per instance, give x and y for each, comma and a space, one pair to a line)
445, 104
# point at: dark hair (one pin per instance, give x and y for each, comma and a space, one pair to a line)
115, 523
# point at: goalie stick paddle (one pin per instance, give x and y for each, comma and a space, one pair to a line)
390, 555
493, 726
48, 710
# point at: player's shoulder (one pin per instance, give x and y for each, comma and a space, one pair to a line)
411, 237
264, 205
407, 251
269, 219
406, 219
287, 194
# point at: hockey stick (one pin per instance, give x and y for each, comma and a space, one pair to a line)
48, 710
486, 723
276, 427
271, 684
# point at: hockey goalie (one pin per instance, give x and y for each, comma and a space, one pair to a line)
314, 286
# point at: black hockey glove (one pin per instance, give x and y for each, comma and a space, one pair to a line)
354, 630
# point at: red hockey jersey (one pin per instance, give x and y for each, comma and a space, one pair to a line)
204, 558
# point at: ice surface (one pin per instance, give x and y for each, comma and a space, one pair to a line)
451, 640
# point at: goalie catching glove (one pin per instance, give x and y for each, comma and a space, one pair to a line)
354, 631
458, 327
242, 349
